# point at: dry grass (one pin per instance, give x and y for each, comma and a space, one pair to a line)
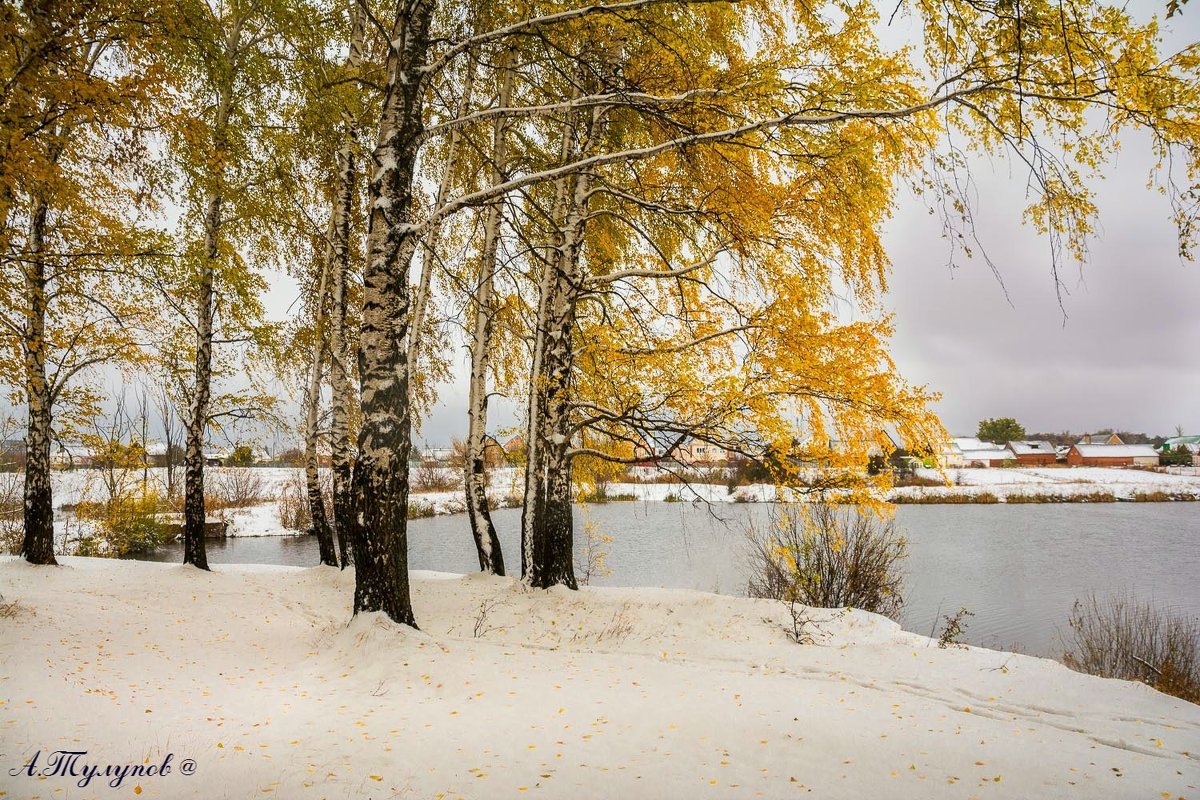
829, 557
1159, 496
948, 498
917, 480
1123, 638
1040, 497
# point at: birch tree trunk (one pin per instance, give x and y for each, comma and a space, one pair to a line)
197, 422
487, 543
380, 484
38, 544
547, 536
338, 254
193, 479
312, 397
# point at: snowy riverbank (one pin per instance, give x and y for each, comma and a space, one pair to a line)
259, 676
263, 518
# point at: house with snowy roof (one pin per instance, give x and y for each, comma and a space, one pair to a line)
1112, 455
977, 453
1034, 453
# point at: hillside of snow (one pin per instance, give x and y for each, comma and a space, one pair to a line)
262, 682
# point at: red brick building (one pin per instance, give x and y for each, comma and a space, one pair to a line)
1112, 455
1034, 454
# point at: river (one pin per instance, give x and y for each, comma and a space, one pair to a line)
1017, 568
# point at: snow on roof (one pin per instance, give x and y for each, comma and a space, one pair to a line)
999, 454
966, 443
1174, 440
1031, 447
1116, 450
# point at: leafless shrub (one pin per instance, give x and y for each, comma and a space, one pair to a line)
235, 487
830, 557
917, 480
482, 624
295, 513
1121, 637
430, 476
12, 533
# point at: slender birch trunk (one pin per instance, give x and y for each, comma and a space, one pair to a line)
193, 479
429, 244
380, 526
38, 544
487, 543
546, 523
312, 398
338, 256
197, 423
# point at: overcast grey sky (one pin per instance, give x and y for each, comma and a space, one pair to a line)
1121, 352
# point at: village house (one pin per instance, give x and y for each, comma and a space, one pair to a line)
976, 453
1100, 438
1112, 455
1034, 453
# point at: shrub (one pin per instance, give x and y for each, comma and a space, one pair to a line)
954, 628
594, 556
917, 480
12, 505
429, 476
829, 556
1124, 638
124, 526
294, 510
235, 487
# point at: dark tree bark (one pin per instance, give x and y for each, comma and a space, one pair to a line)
38, 543
380, 484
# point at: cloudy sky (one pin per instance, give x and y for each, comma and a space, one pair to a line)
1123, 351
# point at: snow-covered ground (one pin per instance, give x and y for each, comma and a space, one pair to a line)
1063, 481
258, 682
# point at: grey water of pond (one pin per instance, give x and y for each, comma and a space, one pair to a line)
1017, 568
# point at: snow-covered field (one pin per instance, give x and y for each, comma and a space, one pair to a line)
1064, 481
257, 681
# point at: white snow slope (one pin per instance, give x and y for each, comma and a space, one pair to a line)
260, 677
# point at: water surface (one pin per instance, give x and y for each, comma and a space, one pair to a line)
1018, 568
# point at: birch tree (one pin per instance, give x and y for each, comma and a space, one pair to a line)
74, 180
841, 120
231, 58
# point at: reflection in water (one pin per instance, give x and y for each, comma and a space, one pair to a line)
1018, 568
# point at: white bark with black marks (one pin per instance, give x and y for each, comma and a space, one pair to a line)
38, 544
380, 485
487, 543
